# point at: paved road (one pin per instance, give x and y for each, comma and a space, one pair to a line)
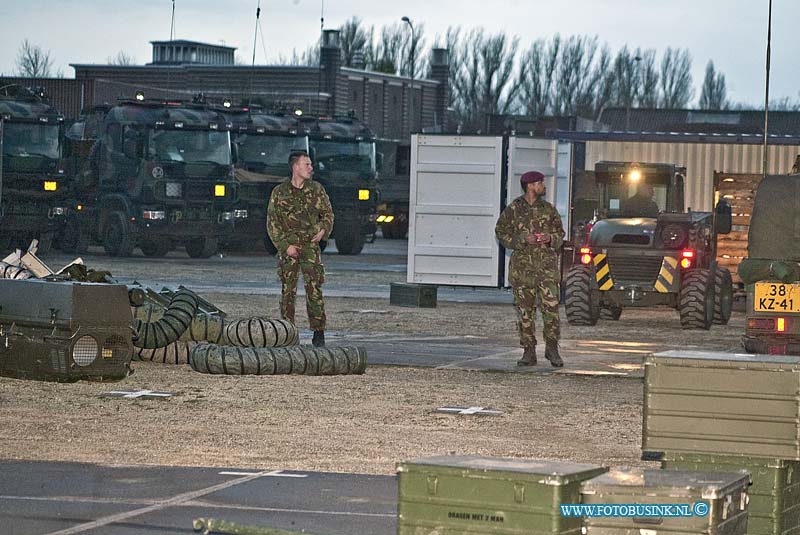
42, 498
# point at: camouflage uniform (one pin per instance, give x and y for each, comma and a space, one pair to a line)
294, 216
533, 271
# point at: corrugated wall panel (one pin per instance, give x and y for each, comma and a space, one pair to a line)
700, 160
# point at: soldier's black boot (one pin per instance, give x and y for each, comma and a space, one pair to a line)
528, 357
551, 353
319, 339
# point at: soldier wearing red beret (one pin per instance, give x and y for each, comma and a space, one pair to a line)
531, 227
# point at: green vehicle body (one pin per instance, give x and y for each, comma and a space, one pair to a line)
346, 163
629, 258
773, 317
394, 182
34, 182
159, 174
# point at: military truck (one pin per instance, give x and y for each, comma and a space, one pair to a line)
346, 163
771, 271
394, 184
264, 142
160, 174
34, 180
643, 250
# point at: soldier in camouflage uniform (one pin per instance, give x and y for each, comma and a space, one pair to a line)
298, 218
532, 227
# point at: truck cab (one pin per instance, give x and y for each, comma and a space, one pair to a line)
34, 181
263, 143
346, 163
162, 175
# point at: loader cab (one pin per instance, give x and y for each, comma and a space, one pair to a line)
629, 189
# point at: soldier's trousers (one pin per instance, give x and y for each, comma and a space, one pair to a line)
545, 295
289, 270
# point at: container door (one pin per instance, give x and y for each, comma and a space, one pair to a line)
455, 197
549, 157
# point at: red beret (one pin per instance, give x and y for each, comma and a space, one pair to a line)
532, 177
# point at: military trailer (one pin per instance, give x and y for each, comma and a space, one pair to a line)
771, 271
263, 143
642, 250
346, 163
161, 174
34, 181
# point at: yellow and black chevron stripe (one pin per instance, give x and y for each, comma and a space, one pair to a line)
667, 280
602, 272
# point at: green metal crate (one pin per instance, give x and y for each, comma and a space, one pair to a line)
722, 403
482, 495
412, 295
774, 494
724, 493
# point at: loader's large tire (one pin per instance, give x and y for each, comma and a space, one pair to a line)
723, 295
612, 313
696, 303
581, 296
156, 247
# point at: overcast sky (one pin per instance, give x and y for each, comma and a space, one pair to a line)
730, 32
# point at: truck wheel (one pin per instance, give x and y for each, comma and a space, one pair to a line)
696, 303
612, 313
350, 238
723, 295
201, 247
73, 239
269, 245
117, 236
156, 248
387, 230
581, 296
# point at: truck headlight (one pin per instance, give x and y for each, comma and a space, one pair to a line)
219, 190
363, 195
50, 185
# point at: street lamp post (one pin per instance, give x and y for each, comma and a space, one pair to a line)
411, 85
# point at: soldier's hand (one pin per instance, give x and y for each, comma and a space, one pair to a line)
318, 236
542, 238
293, 251
530, 239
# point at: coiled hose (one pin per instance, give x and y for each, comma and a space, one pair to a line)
169, 328
297, 360
10, 271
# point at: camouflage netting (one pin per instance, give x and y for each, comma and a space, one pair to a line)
774, 238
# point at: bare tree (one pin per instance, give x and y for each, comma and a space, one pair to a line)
353, 38
33, 61
676, 79
414, 49
122, 58
482, 78
648, 75
713, 95
385, 55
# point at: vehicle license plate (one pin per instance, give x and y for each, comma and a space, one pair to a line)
776, 297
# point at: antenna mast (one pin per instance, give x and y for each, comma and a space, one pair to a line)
319, 70
172, 26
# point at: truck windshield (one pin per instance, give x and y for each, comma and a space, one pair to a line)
356, 156
25, 140
269, 150
190, 146
635, 200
